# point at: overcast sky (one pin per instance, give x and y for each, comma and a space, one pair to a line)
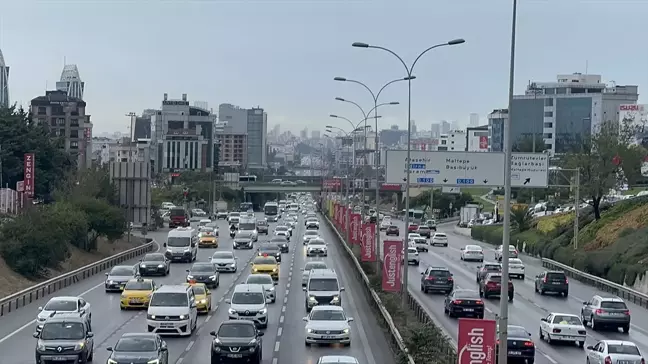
283, 55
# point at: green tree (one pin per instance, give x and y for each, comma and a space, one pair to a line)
520, 219
442, 201
103, 219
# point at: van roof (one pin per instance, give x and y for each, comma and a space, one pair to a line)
182, 232
172, 288
249, 288
323, 273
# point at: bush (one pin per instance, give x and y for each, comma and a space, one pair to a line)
549, 224
490, 234
103, 219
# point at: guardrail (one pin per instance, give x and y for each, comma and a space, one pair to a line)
25, 297
628, 294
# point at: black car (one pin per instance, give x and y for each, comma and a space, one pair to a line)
65, 338
262, 227
521, 348
118, 276
154, 264
392, 230
552, 282
237, 341
243, 240
281, 242
273, 218
204, 273
437, 279
139, 348
464, 303
271, 250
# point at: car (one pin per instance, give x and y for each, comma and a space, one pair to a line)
310, 234
182, 245
392, 230
237, 340
135, 347
172, 311
137, 293
65, 337
463, 303
291, 222
327, 325
412, 256
563, 327
418, 242
513, 252
266, 265
439, 239
323, 288
233, 217
385, 223
424, 231
243, 240
312, 224
249, 302
602, 311
262, 227
204, 222
267, 282
472, 253
207, 237
516, 268
337, 359
63, 304
316, 247
283, 230
310, 266
552, 281
614, 351
225, 261
271, 250
118, 276
437, 279
491, 285
205, 273
412, 228
281, 242
221, 215
519, 345
203, 297
488, 267
431, 223
273, 218
154, 264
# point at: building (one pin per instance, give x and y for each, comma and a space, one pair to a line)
70, 82
413, 128
496, 120
391, 136
563, 112
424, 144
257, 135
184, 137
435, 130
453, 142
315, 134
66, 118
4, 82
201, 105
304, 134
242, 128
474, 119
445, 127
477, 139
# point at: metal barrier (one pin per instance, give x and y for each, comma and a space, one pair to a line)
626, 293
25, 297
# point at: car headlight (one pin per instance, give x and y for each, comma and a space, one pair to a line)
123, 295
182, 317
345, 331
309, 330
110, 361
274, 270
213, 278
335, 298
154, 361
110, 282
189, 277
263, 311
79, 345
187, 250
160, 265
312, 298
231, 311
203, 301
255, 270
233, 265
41, 346
152, 317
143, 265
271, 289
169, 251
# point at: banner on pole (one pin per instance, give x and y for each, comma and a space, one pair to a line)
392, 265
356, 225
367, 248
28, 180
477, 341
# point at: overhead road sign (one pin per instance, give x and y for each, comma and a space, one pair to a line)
466, 169
453, 190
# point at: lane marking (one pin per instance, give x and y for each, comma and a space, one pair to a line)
279, 331
283, 309
180, 359
208, 318
275, 360
276, 346
281, 319
191, 344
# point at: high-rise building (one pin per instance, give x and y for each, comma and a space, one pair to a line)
435, 130
413, 127
304, 134
4, 82
315, 134
243, 128
257, 135
70, 82
474, 119
445, 127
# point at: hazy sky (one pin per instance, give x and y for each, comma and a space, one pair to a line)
283, 55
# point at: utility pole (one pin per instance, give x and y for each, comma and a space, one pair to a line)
432, 203
576, 207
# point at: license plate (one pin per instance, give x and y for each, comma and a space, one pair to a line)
135, 300
327, 337
514, 353
469, 309
59, 358
166, 326
234, 355
555, 282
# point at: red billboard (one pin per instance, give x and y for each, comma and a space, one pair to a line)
396, 187
367, 246
483, 142
29, 167
477, 341
335, 212
346, 218
338, 214
332, 184
392, 265
356, 225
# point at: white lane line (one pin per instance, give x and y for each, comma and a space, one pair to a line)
275, 360
276, 346
179, 360
208, 318
549, 358
191, 344
280, 331
281, 319
287, 287
285, 300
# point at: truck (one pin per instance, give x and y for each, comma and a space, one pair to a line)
467, 213
219, 210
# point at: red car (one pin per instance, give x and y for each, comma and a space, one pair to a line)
412, 228
392, 230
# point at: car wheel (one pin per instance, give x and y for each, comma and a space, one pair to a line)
593, 323
521, 276
626, 329
91, 356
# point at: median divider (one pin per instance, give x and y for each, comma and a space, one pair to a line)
23, 298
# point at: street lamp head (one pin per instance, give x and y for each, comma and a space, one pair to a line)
409, 78
333, 116
328, 127
360, 45
456, 41
394, 103
339, 79
340, 99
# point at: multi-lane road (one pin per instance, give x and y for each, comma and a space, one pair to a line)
283, 341
527, 308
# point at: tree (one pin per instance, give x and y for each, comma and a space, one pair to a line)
442, 201
103, 220
605, 160
520, 218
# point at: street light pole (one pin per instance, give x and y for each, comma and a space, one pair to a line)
409, 70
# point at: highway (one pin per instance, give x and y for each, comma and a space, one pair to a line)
527, 308
283, 340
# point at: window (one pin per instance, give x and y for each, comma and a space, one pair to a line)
42, 110
74, 145
549, 91
548, 125
60, 121
549, 101
548, 136
74, 122
561, 90
548, 146
548, 114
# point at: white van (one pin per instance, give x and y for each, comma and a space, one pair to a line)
172, 311
182, 245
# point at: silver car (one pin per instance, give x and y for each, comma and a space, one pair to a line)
614, 351
63, 304
310, 266
310, 234
118, 276
328, 325
267, 282
225, 261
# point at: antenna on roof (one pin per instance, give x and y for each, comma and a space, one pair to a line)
586, 66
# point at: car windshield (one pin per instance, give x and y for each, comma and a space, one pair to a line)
264, 260
393, 227
412, 250
236, 330
199, 290
316, 242
311, 233
414, 236
178, 241
136, 344
323, 284
248, 298
327, 315
614, 305
623, 349
466, 294
517, 331
495, 278
153, 258
515, 261
223, 255
121, 271
262, 223
310, 266
473, 248
243, 235
62, 331
279, 240
440, 235
494, 267
247, 226
423, 227
61, 305
204, 267
169, 299
566, 320
281, 228
440, 273
138, 286
206, 229
235, 214
259, 279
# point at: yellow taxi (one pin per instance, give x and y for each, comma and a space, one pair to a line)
137, 293
203, 296
207, 237
266, 264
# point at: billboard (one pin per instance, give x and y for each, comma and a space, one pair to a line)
477, 341
356, 225
392, 265
29, 168
367, 250
332, 184
635, 117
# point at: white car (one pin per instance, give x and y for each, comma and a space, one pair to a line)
513, 253
439, 239
267, 282
563, 327
316, 247
312, 224
310, 234
337, 359
328, 325
516, 268
420, 243
233, 215
412, 256
411, 236
386, 222
63, 304
225, 261
283, 230
310, 266
614, 351
472, 253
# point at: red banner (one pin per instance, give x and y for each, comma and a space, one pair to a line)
332, 184
477, 341
336, 218
392, 265
368, 240
355, 228
483, 142
346, 219
28, 178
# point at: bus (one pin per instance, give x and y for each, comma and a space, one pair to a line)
415, 216
271, 209
250, 178
246, 206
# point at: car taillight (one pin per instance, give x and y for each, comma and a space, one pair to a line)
457, 302
450, 279
582, 332
430, 278
544, 280
491, 284
599, 311
626, 312
608, 360
556, 331
566, 280
529, 343
479, 302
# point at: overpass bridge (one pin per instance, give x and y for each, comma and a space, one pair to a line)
262, 187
